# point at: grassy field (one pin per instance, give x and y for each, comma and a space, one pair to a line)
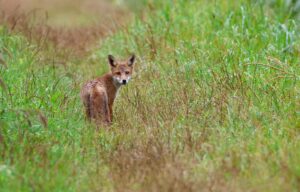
213, 106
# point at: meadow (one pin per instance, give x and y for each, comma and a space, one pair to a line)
213, 105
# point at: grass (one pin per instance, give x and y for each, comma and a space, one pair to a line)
213, 106
75, 26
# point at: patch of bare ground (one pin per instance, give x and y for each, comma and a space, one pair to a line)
75, 25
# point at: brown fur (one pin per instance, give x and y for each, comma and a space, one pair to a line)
98, 95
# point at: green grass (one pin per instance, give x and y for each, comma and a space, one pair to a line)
213, 106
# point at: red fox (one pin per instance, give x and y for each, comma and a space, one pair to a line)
99, 94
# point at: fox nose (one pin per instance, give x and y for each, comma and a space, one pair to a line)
124, 82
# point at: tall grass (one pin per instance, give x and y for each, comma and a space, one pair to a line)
213, 106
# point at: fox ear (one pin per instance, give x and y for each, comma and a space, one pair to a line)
111, 60
131, 60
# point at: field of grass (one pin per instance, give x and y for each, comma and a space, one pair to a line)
214, 104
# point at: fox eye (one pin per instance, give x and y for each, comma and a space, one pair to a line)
118, 73
127, 72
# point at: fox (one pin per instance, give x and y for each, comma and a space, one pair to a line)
98, 95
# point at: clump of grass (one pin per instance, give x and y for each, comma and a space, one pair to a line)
213, 106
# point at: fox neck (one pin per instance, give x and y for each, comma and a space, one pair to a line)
111, 86
114, 82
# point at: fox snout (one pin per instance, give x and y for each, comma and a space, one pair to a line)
125, 80
121, 80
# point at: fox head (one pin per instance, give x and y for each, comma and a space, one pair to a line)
121, 70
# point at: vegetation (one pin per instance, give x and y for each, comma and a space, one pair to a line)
213, 106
